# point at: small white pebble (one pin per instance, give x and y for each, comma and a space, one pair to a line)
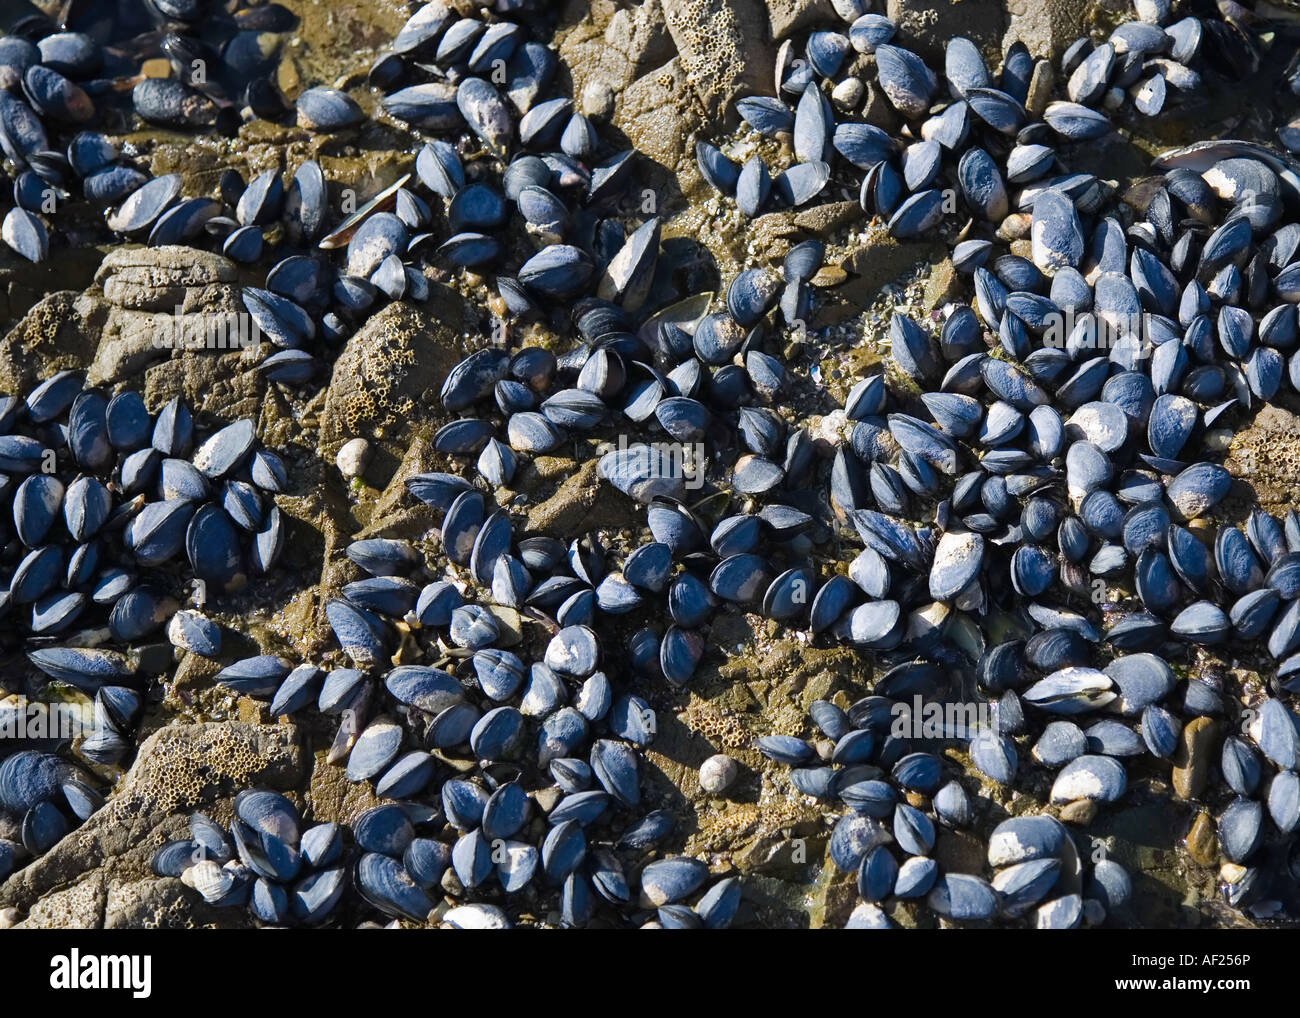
1219, 439
1153, 12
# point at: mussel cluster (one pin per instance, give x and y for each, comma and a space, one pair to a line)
288, 878
266, 861
565, 186
104, 496
915, 136
494, 740
1036, 485
117, 516
569, 199
1033, 475
42, 797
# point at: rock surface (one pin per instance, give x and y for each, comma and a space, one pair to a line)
167, 299
927, 26
391, 366
1267, 456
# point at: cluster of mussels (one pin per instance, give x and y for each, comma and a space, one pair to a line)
1071, 413
909, 139
303, 289
508, 736
286, 877
116, 513
1035, 485
289, 874
104, 496
50, 80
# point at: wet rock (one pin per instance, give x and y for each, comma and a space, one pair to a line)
660, 117
1082, 812
877, 109
224, 385
322, 522
608, 52
582, 502
826, 219
927, 25
776, 232
785, 904
395, 500
943, 286
788, 17
1046, 27
133, 340
1202, 842
880, 260
23, 284
166, 904
393, 364
960, 852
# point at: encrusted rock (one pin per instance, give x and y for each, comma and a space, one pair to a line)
1266, 455
726, 47
1046, 27
392, 364
163, 278
789, 17
164, 299
59, 333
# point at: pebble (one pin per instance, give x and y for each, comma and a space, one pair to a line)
847, 95
1201, 841
1040, 88
1192, 759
